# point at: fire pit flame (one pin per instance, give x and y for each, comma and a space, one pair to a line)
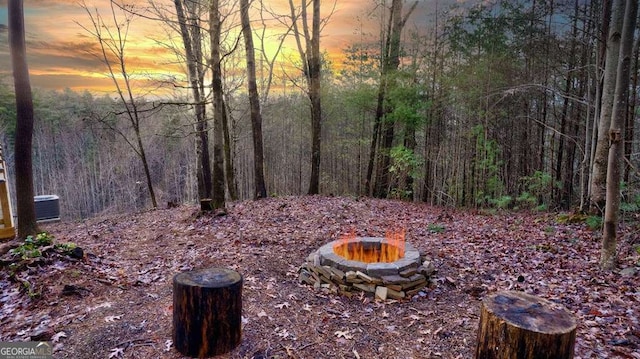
390, 250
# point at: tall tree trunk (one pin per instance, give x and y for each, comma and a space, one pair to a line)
410, 143
385, 135
229, 172
145, 166
260, 189
191, 41
599, 167
311, 60
390, 63
601, 54
616, 134
433, 128
631, 113
369, 181
314, 67
591, 86
563, 199
218, 197
112, 46
24, 123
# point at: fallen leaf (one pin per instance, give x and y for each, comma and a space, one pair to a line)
283, 305
112, 318
116, 353
344, 334
56, 337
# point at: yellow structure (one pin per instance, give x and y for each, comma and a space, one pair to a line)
7, 229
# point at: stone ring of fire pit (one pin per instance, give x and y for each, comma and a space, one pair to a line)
411, 259
402, 278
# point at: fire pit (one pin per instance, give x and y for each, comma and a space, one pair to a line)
386, 267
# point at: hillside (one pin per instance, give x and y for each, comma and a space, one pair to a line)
116, 302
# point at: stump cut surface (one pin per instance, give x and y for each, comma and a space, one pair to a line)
519, 325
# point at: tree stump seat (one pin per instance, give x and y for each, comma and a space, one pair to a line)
519, 325
207, 311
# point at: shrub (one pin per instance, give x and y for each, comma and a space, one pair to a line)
435, 228
594, 222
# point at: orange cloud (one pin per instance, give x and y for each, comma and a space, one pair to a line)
61, 54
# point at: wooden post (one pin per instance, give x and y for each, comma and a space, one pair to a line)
7, 230
518, 325
207, 312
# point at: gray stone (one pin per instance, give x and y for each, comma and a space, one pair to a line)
371, 288
305, 277
337, 273
354, 280
427, 271
381, 292
408, 272
628, 272
419, 282
394, 279
314, 258
429, 265
364, 277
405, 263
381, 269
324, 271
412, 254
395, 294
396, 287
348, 265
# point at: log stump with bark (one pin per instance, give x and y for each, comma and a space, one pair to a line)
518, 325
206, 204
207, 311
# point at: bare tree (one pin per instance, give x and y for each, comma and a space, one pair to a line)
27, 224
112, 39
616, 134
270, 61
254, 101
383, 132
312, 68
190, 31
218, 107
599, 166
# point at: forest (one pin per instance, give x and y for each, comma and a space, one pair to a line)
494, 105
493, 146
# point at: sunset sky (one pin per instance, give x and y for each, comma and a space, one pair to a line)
59, 50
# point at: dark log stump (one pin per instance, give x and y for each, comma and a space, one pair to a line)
518, 325
207, 312
206, 204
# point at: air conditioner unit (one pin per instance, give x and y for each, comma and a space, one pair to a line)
47, 208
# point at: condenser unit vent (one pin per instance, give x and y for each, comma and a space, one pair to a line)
47, 208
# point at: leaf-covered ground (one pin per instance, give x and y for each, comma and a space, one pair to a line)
117, 301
